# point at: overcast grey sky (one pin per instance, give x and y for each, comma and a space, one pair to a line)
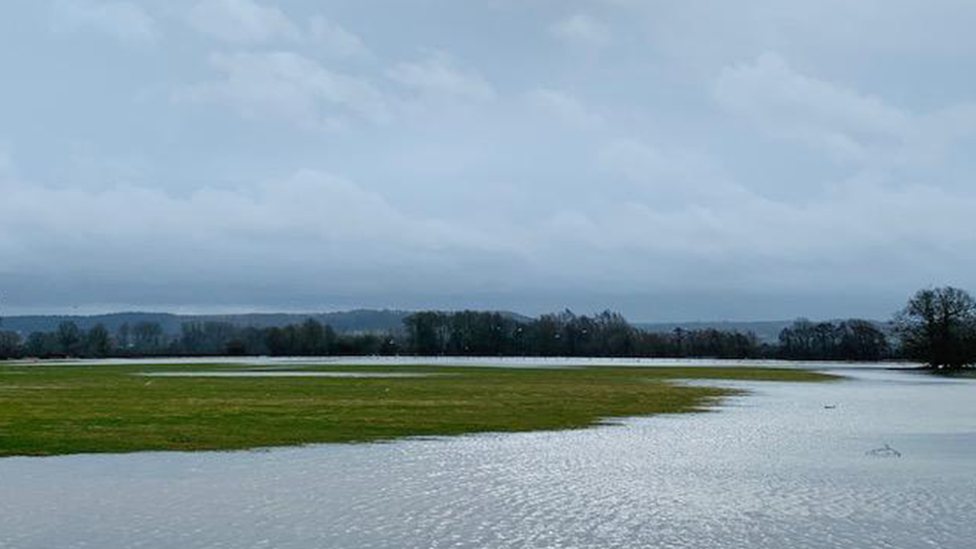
671, 160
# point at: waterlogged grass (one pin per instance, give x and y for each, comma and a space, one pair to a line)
50, 409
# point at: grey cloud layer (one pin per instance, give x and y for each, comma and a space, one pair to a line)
579, 151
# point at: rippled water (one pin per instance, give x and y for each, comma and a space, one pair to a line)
774, 469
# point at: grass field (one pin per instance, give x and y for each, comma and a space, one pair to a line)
57, 409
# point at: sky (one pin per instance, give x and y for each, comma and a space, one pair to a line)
693, 160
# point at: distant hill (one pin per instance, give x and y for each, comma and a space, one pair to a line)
362, 320
355, 321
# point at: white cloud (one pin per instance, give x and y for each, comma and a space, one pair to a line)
790, 104
249, 22
313, 228
582, 29
287, 86
439, 74
771, 89
636, 160
669, 173
862, 234
836, 158
702, 35
849, 125
126, 21
565, 107
308, 230
335, 38
6, 164
242, 21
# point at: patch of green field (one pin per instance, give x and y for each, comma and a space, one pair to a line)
57, 409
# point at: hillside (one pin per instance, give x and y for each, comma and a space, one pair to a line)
362, 320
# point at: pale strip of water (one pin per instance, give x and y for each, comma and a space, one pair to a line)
505, 362
281, 373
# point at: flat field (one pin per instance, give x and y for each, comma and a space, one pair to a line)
52, 409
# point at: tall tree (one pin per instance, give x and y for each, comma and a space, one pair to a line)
863, 341
98, 342
9, 345
938, 326
42, 344
147, 336
122, 336
426, 333
69, 339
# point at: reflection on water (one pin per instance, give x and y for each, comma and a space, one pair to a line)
775, 469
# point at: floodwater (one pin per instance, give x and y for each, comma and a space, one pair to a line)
264, 363
790, 465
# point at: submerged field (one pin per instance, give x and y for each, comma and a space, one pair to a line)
59, 409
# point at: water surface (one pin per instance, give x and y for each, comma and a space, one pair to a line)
502, 362
774, 469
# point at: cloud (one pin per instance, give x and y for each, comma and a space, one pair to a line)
790, 104
335, 38
703, 35
248, 22
850, 126
242, 21
565, 107
666, 171
322, 225
863, 234
636, 160
287, 86
6, 164
125, 21
582, 29
439, 74
312, 230
724, 147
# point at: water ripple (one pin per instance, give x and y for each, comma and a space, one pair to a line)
776, 469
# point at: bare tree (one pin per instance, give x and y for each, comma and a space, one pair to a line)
938, 326
69, 339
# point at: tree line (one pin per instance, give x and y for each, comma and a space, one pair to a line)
434, 333
607, 334
208, 338
938, 327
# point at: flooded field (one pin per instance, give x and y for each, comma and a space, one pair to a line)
789, 465
265, 363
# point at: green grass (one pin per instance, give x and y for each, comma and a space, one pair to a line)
55, 409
